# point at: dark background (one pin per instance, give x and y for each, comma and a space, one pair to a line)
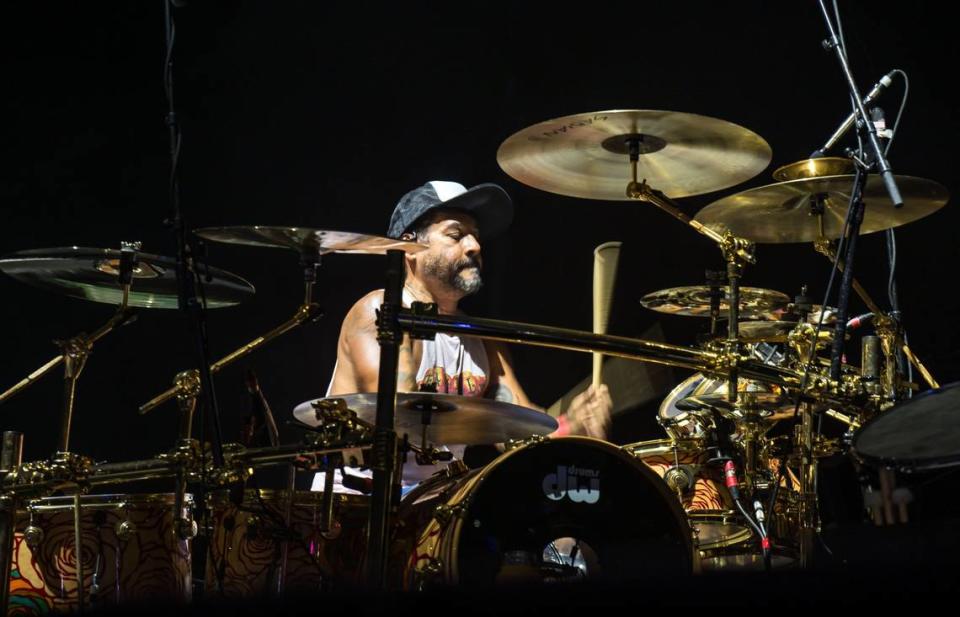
323, 115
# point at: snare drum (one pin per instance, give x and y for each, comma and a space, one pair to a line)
700, 488
128, 550
247, 543
553, 509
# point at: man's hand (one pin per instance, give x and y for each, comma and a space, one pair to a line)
589, 412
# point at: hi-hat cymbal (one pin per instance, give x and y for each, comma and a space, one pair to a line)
92, 274
453, 419
586, 155
694, 301
786, 211
306, 240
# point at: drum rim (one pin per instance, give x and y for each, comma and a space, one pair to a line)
905, 464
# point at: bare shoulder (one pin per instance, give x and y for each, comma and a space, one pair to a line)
365, 309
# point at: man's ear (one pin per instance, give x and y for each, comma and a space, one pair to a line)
408, 236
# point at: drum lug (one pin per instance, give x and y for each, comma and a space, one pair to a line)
444, 513
513, 444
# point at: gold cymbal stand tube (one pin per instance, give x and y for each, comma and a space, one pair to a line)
184, 385
736, 251
75, 351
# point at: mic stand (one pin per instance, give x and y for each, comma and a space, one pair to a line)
863, 121
187, 283
854, 219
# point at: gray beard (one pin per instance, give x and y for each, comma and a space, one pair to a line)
451, 275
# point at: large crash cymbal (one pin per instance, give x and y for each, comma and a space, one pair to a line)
92, 274
453, 419
586, 155
786, 211
694, 301
306, 240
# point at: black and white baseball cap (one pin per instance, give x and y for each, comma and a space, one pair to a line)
488, 203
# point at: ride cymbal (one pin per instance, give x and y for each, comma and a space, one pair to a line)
587, 155
306, 240
92, 274
795, 211
452, 419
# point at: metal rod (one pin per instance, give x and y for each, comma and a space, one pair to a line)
733, 323
305, 313
78, 550
11, 453
920, 367
32, 377
884, 166
843, 300
121, 316
576, 340
390, 337
287, 520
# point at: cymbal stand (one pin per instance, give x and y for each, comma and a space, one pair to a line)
187, 384
75, 351
736, 251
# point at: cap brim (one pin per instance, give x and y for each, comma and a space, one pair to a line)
489, 204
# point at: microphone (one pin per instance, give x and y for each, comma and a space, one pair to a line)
859, 320
873, 95
261, 408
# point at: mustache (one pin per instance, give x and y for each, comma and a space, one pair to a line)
468, 262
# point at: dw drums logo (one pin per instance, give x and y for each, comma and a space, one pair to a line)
579, 484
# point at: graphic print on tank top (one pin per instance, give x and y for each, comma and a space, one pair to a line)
451, 365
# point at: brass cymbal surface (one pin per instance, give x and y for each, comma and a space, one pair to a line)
587, 155
694, 301
814, 168
306, 240
788, 211
452, 419
92, 274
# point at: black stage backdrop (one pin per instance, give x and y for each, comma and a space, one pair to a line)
324, 114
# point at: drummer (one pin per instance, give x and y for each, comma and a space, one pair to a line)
450, 220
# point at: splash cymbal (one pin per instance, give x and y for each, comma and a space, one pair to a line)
587, 155
92, 274
694, 301
789, 211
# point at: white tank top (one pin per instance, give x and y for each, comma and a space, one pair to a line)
450, 365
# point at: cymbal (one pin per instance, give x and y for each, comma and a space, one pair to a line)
91, 274
586, 155
814, 168
306, 240
782, 212
694, 301
463, 420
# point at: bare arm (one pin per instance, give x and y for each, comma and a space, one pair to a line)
589, 412
358, 352
503, 381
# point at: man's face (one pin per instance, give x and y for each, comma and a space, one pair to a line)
453, 259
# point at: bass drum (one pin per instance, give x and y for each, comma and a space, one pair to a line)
553, 509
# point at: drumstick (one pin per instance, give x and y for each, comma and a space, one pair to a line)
605, 259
